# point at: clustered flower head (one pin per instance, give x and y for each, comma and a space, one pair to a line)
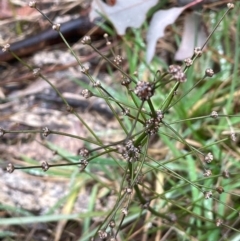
56, 27
86, 40
144, 90
86, 93
125, 81
188, 62
153, 124
208, 158
118, 60
198, 51
177, 73
130, 151
6, 48
209, 72
214, 114
84, 152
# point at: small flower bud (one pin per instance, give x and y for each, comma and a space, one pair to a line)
177, 73
87, 93
125, 81
6, 48
45, 166
84, 152
126, 111
84, 70
102, 234
10, 168
198, 51
2, 132
225, 174
32, 4
230, 5
97, 84
208, 158
188, 62
207, 173
209, 72
214, 114
128, 190
83, 164
208, 195
86, 40
46, 131
56, 27
36, 72
219, 222
173, 69
112, 224
233, 136
125, 211
220, 190
69, 109
118, 60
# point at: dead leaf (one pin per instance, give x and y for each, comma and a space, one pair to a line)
124, 13
193, 36
159, 22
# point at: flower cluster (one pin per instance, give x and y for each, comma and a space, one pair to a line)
177, 73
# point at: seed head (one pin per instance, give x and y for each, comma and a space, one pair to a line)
36, 72
56, 27
10, 168
6, 48
188, 62
208, 194
128, 190
207, 173
230, 5
177, 73
2, 132
125, 211
125, 81
32, 4
87, 93
112, 224
214, 114
97, 84
233, 136
83, 164
46, 131
84, 152
208, 158
219, 222
131, 152
118, 60
102, 234
144, 90
45, 166
226, 174
209, 72
84, 70
198, 51
220, 190
86, 40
